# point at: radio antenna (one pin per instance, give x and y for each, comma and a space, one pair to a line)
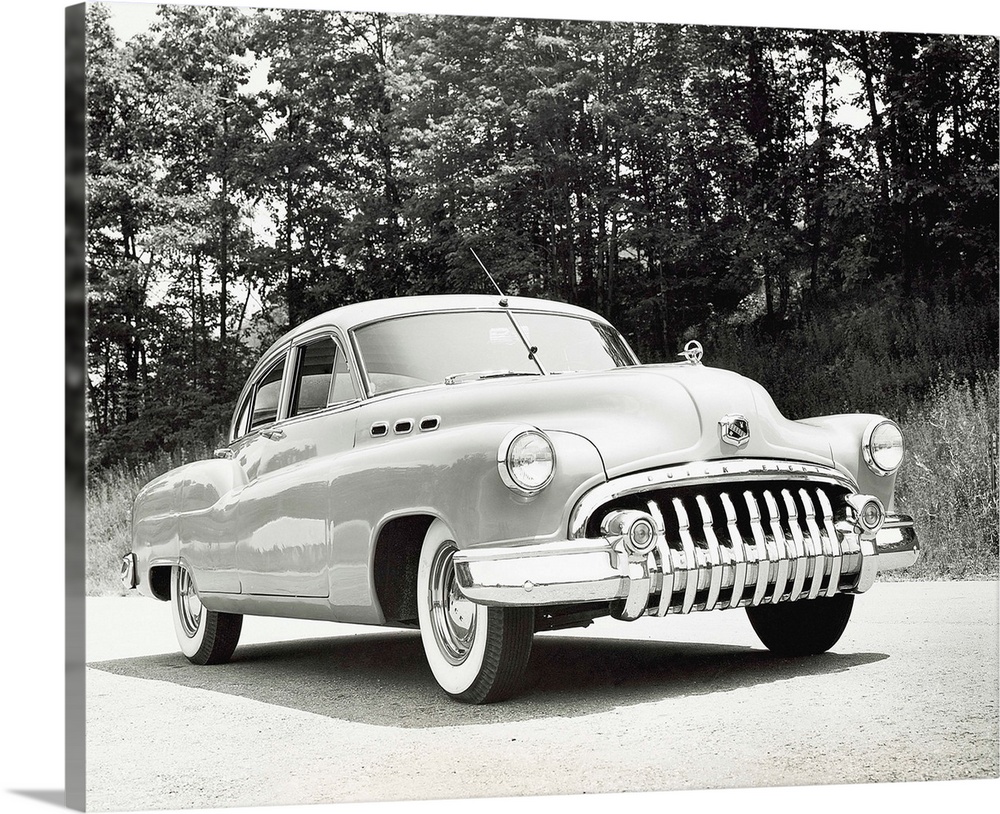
532, 350
503, 297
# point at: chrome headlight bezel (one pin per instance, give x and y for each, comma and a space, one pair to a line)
510, 471
874, 454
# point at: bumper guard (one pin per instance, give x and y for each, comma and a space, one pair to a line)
128, 575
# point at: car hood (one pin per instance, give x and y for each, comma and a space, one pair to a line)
645, 416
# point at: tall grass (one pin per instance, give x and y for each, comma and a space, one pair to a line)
885, 357
948, 480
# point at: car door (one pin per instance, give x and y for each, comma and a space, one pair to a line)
284, 543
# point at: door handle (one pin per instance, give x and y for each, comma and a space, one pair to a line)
224, 452
274, 434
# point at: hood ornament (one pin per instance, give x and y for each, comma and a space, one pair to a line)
692, 352
735, 430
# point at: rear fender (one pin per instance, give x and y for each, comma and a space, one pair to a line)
178, 515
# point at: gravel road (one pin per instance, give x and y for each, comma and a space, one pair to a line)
313, 712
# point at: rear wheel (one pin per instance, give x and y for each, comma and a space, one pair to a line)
478, 654
205, 637
803, 628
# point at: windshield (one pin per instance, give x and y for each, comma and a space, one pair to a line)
424, 349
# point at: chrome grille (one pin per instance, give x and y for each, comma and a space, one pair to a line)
728, 545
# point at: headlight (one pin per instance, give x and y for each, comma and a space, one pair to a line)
882, 447
526, 462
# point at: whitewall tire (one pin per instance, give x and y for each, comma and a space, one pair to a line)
478, 654
205, 637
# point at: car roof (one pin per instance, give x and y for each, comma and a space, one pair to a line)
348, 317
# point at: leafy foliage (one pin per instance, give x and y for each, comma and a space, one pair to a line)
826, 198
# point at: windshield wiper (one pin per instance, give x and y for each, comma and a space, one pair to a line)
456, 378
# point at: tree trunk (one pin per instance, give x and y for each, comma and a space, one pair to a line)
878, 135
819, 188
224, 260
289, 293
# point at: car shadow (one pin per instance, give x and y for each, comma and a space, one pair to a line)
383, 679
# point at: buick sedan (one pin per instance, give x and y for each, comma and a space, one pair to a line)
482, 468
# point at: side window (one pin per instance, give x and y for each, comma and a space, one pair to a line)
265, 403
312, 377
343, 385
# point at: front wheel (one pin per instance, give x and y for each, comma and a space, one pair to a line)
804, 628
478, 654
205, 637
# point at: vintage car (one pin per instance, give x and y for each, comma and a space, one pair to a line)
484, 467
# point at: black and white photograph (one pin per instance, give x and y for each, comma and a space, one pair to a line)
526, 405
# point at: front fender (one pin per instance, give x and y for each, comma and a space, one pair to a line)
846, 433
452, 475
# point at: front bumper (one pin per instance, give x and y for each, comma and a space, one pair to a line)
828, 559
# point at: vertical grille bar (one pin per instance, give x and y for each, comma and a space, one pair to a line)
835, 546
763, 568
714, 553
663, 551
801, 562
817, 542
850, 545
690, 559
781, 547
739, 552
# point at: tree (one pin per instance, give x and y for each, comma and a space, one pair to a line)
678, 179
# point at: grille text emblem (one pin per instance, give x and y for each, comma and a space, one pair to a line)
735, 430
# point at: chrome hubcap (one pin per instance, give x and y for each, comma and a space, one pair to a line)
188, 604
453, 617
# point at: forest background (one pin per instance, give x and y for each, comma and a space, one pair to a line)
818, 207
